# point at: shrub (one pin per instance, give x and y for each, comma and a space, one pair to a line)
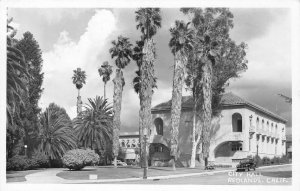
91, 157
258, 161
78, 158
266, 161
275, 160
18, 162
21, 162
40, 160
284, 159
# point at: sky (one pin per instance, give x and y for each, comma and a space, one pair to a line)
72, 38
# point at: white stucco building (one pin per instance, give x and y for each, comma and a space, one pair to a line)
129, 145
242, 129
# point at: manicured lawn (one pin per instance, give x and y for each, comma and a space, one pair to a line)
19, 176
109, 172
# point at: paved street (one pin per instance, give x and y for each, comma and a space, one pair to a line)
266, 176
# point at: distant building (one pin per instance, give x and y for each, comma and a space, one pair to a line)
242, 129
130, 147
289, 142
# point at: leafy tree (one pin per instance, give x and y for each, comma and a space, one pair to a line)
79, 78
181, 44
59, 111
105, 70
122, 50
56, 134
16, 91
148, 21
216, 59
94, 126
17, 75
29, 114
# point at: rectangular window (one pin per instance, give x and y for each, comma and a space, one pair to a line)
237, 147
158, 149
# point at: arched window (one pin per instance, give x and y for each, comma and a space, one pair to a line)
257, 122
133, 144
128, 143
268, 127
158, 122
123, 144
263, 124
237, 122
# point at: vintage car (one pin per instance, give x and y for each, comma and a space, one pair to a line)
246, 164
210, 166
120, 163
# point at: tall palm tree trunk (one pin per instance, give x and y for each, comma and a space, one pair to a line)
118, 88
194, 143
178, 78
147, 80
79, 103
104, 90
206, 107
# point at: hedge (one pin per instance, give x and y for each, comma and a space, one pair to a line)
21, 162
265, 161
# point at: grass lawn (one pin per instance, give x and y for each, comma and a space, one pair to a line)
19, 176
109, 172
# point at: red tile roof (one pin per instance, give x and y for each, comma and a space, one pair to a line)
227, 100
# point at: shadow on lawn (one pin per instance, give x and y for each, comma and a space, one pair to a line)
88, 169
278, 174
162, 169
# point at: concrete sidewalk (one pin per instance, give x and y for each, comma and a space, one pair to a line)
49, 177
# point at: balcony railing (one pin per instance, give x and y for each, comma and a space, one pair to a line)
264, 132
258, 131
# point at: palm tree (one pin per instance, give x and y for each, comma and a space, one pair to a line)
56, 134
137, 82
138, 57
181, 43
148, 21
122, 50
94, 126
79, 78
105, 70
